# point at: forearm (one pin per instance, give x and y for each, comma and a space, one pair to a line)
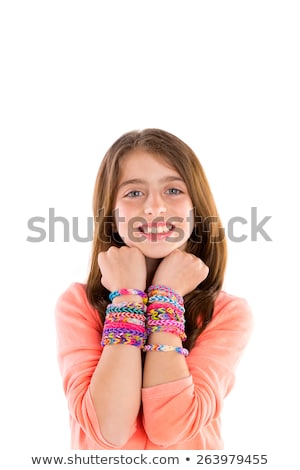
164, 367
116, 388
116, 391
165, 326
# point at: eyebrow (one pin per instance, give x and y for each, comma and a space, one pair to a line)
166, 179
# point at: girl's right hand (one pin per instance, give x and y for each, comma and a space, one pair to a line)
123, 268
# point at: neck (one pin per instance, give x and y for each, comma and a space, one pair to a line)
151, 265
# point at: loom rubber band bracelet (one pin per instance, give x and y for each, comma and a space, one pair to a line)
154, 289
117, 293
165, 348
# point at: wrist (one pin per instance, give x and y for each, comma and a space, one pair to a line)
128, 292
161, 289
125, 322
164, 338
128, 298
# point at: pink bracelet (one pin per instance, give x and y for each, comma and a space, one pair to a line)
117, 293
125, 324
165, 348
159, 289
165, 317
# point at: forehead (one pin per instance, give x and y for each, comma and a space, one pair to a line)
142, 161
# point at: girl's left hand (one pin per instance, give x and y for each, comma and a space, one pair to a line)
180, 271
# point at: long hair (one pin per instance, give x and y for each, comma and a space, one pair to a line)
207, 240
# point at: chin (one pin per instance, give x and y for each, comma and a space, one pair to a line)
158, 251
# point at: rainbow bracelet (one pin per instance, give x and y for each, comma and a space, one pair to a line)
165, 299
125, 324
160, 290
131, 307
165, 348
117, 293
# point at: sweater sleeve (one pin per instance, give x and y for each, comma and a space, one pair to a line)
79, 333
176, 411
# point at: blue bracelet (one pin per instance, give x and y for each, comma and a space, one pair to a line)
117, 293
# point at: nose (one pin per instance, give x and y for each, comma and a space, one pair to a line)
154, 205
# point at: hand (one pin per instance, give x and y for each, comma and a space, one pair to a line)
181, 271
122, 268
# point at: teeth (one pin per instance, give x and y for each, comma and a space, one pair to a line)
160, 229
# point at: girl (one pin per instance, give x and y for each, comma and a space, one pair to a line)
148, 347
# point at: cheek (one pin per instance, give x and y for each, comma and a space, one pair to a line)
123, 213
118, 214
120, 208
186, 209
126, 219
189, 218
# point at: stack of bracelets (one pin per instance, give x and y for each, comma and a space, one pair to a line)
125, 321
131, 322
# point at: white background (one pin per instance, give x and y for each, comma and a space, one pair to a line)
222, 75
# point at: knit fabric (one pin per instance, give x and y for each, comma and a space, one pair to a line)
184, 414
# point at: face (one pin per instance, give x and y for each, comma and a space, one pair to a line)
153, 209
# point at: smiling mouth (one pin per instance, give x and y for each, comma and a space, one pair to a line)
156, 229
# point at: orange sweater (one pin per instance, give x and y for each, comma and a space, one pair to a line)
184, 414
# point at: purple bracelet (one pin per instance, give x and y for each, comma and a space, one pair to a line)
172, 294
165, 348
124, 324
117, 293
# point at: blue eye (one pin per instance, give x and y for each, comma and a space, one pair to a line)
174, 191
134, 194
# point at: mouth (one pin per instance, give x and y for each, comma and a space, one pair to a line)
156, 231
